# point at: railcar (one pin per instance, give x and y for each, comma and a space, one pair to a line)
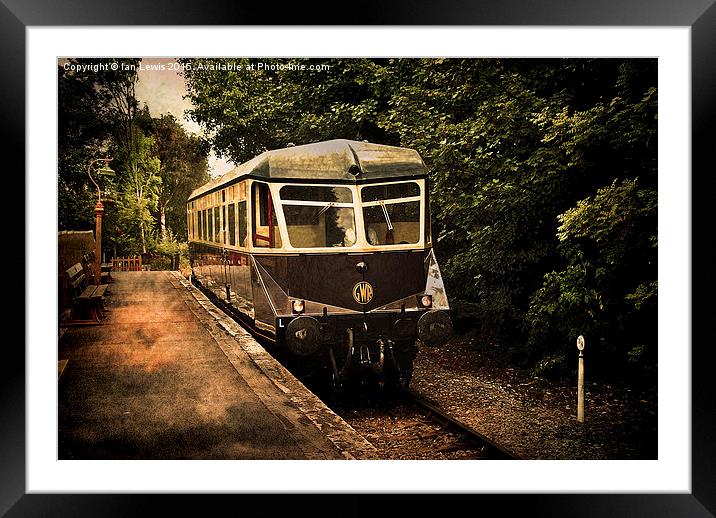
325, 251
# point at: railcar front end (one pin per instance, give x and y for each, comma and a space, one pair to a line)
325, 250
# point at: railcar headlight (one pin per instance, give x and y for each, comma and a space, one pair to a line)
298, 306
426, 301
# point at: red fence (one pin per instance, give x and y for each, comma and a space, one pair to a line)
127, 264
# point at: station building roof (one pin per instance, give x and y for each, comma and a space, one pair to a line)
336, 160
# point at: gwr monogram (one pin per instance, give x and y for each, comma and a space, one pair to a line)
363, 292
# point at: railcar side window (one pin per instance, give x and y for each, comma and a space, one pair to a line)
318, 216
209, 224
243, 230
391, 213
223, 224
217, 227
428, 229
265, 229
232, 224
201, 225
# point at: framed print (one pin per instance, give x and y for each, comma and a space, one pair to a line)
678, 39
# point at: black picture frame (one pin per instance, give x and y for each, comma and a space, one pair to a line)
700, 15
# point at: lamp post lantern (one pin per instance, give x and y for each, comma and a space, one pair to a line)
98, 210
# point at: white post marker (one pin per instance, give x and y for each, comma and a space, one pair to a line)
580, 380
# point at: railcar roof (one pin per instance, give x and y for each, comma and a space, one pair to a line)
333, 160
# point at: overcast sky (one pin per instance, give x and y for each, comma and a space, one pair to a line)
163, 91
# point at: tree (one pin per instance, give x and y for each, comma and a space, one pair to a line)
84, 133
248, 111
606, 285
121, 85
137, 189
183, 167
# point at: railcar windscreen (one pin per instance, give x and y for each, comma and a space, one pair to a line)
391, 213
318, 216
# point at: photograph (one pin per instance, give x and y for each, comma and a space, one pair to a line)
437, 252
358, 258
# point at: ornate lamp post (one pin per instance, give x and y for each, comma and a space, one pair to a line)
98, 210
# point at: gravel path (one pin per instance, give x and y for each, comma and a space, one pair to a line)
535, 417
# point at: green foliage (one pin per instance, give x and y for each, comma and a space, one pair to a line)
164, 249
542, 173
169, 245
644, 295
549, 365
183, 167
249, 111
606, 290
137, 188
84, 132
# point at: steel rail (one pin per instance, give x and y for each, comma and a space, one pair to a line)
493, 450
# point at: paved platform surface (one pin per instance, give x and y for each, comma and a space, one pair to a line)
168, 376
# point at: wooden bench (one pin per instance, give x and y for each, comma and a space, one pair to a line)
105, 272
87, 299
100, 290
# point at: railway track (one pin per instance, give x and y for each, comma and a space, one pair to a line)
489, 448
404, 425
407, 427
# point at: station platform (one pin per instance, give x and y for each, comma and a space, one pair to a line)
167, 375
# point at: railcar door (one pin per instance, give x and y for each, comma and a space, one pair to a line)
265, 233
